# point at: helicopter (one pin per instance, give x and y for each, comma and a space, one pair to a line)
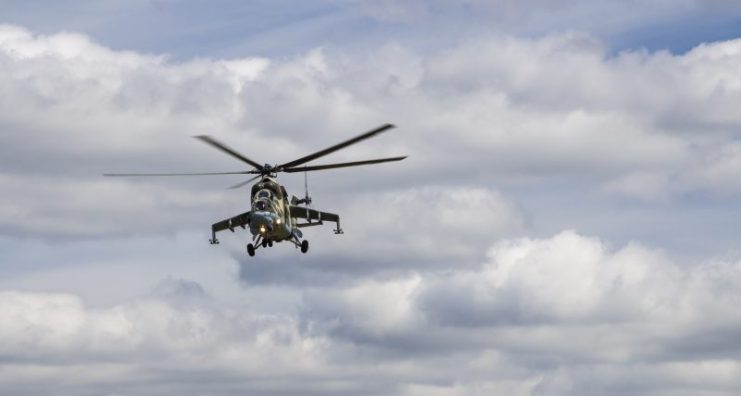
273, 218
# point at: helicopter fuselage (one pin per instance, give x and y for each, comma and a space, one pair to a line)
270, 215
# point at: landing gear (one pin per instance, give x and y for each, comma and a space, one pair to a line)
304, 245
258, 241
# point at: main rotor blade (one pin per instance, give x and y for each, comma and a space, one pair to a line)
250, 180
334, 148
342, 165
214, 143
177, 174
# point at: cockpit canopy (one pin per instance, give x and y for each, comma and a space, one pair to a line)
270, 186
262, 205
262, 200
263, 194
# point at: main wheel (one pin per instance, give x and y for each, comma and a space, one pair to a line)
304, 246
270, 243
250, 250
264, 243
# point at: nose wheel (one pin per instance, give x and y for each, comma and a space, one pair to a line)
259, 243
303, 245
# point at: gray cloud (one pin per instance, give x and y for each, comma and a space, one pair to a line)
392, 233
561, 306
561, 315
466, 114
507, 137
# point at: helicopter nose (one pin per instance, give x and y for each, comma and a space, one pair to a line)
264, 223
263, 229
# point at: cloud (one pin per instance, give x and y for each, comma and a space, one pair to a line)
389, 11
68, 207
488, 108
577, 316
641, 185
150, 341
464, 217
407, 302
718, 171
566, 278
389, 233
561, 315
538, 17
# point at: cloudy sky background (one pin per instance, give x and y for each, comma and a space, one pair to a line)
566, 223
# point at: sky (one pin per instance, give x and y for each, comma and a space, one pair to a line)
566, 222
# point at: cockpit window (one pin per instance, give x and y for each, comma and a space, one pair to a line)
263, 194
262, 205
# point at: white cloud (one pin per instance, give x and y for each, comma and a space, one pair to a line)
517, 109
407, 309
85, 208
431, 221
560, 315
575, 313
645, 186
719, 171
48, 332
431, 228
569, 278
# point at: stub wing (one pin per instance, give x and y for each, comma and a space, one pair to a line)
314, 217
240, 220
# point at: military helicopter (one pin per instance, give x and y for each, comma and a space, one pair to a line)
273, 218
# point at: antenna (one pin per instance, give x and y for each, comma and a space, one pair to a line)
307, 198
